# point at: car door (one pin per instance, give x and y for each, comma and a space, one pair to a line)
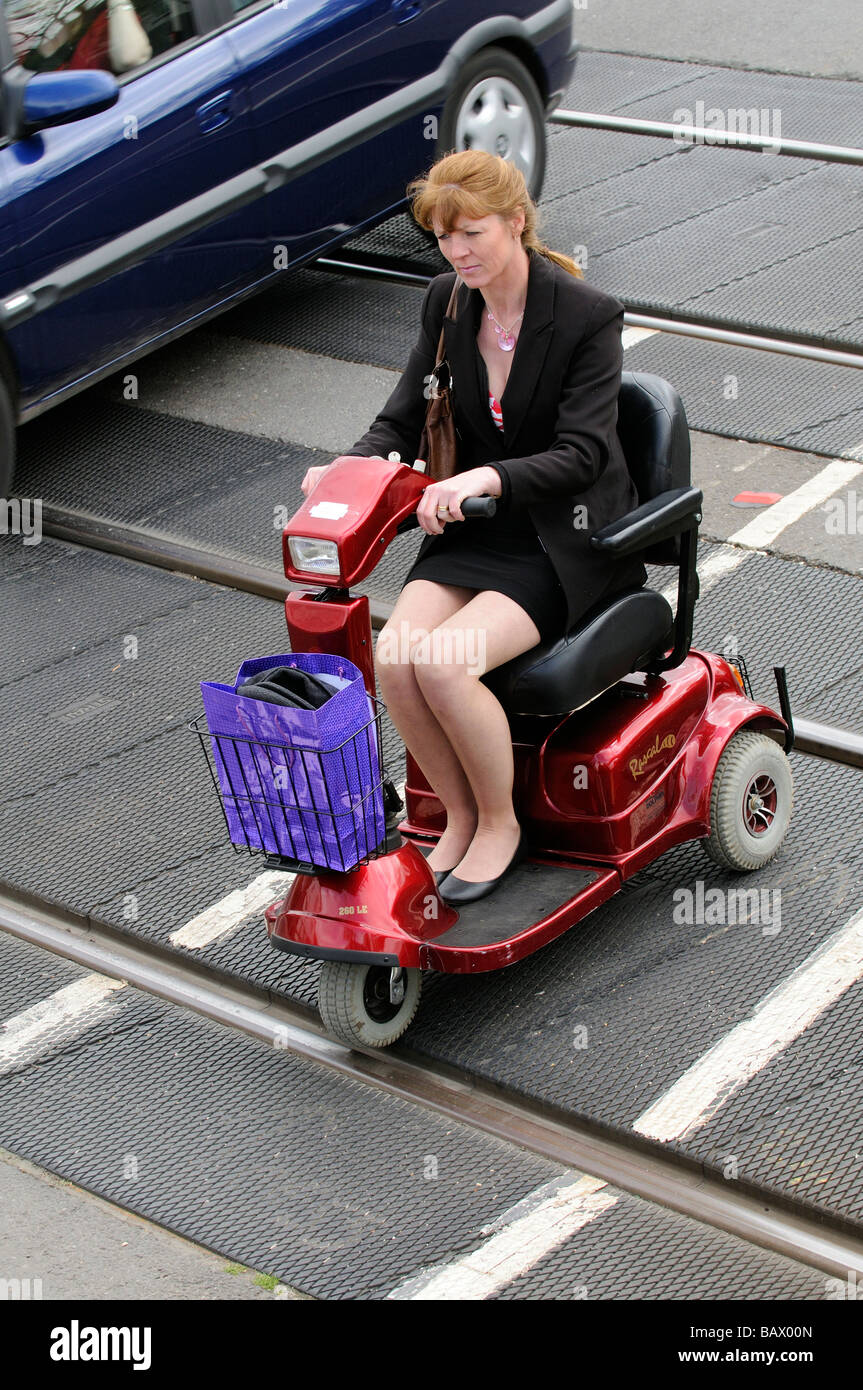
312, 63
180, 128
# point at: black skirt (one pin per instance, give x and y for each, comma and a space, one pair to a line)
509, 559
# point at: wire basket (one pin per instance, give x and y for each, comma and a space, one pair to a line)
305, 809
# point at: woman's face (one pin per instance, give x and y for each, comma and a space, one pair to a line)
481, 248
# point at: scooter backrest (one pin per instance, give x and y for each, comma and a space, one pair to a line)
652, 428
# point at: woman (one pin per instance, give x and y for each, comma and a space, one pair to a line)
535, 357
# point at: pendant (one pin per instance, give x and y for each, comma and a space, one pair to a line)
506, 342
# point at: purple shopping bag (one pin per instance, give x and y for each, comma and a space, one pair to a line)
303, 784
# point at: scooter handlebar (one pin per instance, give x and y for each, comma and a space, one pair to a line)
471, 507
479, 506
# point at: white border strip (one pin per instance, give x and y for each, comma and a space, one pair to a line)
63, 1014
222, 916
781, 1017
762, 530
515, 1249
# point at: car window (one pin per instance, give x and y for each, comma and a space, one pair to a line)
116, 35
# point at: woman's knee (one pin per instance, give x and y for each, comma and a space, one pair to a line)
394, 653
440, 668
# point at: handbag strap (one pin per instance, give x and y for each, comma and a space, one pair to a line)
452, 300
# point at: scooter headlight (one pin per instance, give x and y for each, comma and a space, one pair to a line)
314, 556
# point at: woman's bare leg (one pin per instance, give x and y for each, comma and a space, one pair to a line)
485, 632
420, 607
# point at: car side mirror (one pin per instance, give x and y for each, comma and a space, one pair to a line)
43, 99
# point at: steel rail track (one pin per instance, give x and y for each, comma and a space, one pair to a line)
690, 134
164, 552
809, 347
635, 1165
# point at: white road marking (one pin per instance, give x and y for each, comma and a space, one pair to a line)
781, 1016
631, 336
857, 451
69, 1010
222, 916
228, 912
763, 529
720, 563
516, 1248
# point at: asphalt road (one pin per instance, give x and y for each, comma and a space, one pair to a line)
819, 37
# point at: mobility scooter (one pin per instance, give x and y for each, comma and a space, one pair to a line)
625, 741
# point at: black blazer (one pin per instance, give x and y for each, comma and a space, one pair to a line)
558, 452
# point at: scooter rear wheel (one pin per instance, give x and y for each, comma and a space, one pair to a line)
355, 1004
750, 802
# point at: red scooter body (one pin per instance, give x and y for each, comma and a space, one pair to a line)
601, 791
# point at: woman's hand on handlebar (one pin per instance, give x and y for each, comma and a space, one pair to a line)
314, 475
441, 502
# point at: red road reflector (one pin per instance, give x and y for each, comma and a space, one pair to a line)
756, 499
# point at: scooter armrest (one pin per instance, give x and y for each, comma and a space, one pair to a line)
660, 519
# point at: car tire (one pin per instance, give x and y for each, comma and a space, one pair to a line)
7, 439
496, 106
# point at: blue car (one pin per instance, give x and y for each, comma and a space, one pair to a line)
162, 159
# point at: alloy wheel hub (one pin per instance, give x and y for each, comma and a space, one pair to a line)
494, 116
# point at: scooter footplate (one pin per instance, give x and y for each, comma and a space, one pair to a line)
530, 893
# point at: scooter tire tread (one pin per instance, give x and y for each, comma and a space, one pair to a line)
340, 1005
725, 844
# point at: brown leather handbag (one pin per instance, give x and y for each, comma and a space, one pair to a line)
438, 443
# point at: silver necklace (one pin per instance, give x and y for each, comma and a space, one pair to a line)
505, 339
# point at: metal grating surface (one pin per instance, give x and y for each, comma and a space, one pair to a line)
813, 108
797, 1125
117, 818
28, 976
223, 498
779, 400
260, 1156
321, 1181
665, 1257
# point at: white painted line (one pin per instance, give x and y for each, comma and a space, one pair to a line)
68, 1010
857, 451
228, 912
720, 563
780, 1017
630, 336
517, 1248
763, 529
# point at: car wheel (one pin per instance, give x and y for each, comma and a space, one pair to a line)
7, 439
496, 106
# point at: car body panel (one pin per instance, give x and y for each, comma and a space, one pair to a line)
123, 229
77, 186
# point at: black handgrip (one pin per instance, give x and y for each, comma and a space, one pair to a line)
479, 506
471, 506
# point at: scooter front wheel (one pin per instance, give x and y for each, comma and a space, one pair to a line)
367, 1005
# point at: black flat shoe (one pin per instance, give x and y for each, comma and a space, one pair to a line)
458, 892
439, 874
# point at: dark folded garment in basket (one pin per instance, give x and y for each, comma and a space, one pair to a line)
287, 685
